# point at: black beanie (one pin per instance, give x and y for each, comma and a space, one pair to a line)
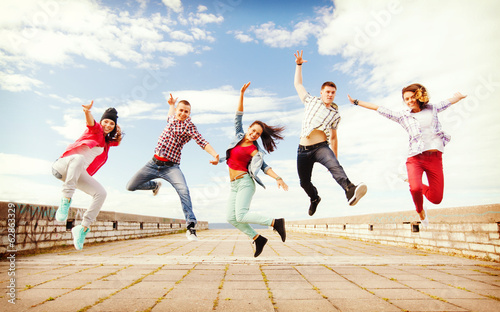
110, 113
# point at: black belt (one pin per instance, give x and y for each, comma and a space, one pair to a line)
163, 163
311, 147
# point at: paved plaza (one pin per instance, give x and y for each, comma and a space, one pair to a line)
219, 273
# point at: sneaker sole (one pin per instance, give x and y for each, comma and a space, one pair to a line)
58, 218
358, 194
74, 240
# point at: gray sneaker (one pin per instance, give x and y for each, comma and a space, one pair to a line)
355, 193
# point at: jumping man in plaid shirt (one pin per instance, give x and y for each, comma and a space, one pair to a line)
318, 140
165, 162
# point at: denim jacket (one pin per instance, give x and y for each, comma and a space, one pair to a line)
257, 163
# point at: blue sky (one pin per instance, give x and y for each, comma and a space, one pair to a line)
57, 55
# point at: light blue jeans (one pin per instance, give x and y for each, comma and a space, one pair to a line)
173, 175
238, 206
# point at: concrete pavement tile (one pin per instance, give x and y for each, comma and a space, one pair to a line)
356, 305
427, 305
40, 294
452, 293
322, 305
165, 277
244, 305
424, 284
181, 305
245, 285
336, 285
243, 294
103, 284
488, 292
375, 282
303, 294
145, 290
123, 305
291, 286
477, 305
399, 294
205, 293
346, 294
471, 285
58, 284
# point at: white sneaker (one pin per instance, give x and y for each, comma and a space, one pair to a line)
191, 235
425, 222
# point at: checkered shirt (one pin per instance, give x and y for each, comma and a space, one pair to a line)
175, 135
412, 126
318, 116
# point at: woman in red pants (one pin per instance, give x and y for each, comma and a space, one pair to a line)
427, 141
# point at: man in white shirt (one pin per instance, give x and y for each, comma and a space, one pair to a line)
319, 127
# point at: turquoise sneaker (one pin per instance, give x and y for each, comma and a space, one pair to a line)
62, 212
79, 236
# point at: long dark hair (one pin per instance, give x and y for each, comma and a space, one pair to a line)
269, 135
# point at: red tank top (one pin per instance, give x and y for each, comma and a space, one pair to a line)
240, 156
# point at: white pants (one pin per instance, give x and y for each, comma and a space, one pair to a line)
72, 172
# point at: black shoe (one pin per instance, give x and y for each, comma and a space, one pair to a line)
259, 242
314, 205
355, 192
279, 226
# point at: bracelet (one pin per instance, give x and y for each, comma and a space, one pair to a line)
356, 102
299, 64
278, 178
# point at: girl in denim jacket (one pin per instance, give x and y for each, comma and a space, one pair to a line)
245, 159
80, 162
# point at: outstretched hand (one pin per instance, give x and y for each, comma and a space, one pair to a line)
245, 87
298, 58
86, 108
350, 99
215, 162
457, 97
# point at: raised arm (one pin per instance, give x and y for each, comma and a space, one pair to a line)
301, 90
363, 103
242, 93
88, 115
171, 102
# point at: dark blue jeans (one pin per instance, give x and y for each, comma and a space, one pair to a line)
323, 154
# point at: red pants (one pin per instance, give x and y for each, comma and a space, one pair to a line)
432, 164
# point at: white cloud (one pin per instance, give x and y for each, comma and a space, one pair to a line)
280, 37
59, 33
11, 164
16, 82
204, 18
242, 37
174, 5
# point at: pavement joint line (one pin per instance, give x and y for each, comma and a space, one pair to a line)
463, 288
55, 279
221, 285
269, 292
171, 288
101, 300
77, 288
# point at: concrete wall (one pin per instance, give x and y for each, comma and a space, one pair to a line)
467, 231
31, 227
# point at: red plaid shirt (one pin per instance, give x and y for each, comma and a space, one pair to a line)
175, 135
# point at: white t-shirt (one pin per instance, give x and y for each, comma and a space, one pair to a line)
89, 154
430, 139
